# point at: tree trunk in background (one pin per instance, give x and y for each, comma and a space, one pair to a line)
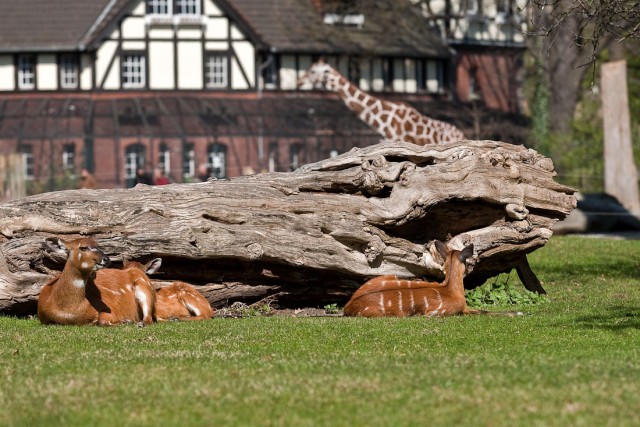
620, 173
310, 237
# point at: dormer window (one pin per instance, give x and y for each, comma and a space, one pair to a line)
187, 7
164, 8
69, 71
26, 72
472, 7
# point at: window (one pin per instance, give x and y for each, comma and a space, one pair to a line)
216, 71
474, 90
69, 71
158, 7
164, 159
294, 157
134, 159
273, 157
27, 161
472, 7
69, 157
26, 72
503, 7
188, 160
133, 71
187, 7
217, 159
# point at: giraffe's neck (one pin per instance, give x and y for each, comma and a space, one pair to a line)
367, 107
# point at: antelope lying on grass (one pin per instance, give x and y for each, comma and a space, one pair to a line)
178, 301
389, 296
86, 292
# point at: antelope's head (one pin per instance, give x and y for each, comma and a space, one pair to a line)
83, 255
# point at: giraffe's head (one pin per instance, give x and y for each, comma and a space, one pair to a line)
318, 76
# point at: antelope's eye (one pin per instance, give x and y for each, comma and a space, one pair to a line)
84, 248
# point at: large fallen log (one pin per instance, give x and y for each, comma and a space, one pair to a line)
312, 236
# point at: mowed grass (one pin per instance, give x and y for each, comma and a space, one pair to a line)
574, 361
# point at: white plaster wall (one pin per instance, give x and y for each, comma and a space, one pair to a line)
85, 72
47, 72
190, 65
288, 74
216, 46
189, 33
210, 8
106, 51
161, 72
160, 32
246, 58
217, 28
133, 45
7, 73
133, 28
140, 8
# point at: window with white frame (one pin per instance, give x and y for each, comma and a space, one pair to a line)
217, 157
27, 161
134, 159
133, 71
216, 71
164, 156
187, 7
26, 72
472, 7
69, 65
188, 160
159, 7
273, 157
294, 157
69, 157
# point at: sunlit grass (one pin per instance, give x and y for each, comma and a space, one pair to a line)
571, 361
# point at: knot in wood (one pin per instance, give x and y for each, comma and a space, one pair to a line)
255, 251
515, 211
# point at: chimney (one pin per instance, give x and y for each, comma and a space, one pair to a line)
317, 4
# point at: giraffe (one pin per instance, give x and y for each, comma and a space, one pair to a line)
394, 121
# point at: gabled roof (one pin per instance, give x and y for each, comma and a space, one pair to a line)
390, 28
49, 25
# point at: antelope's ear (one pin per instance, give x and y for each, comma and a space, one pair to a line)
466, 253
153, 265
442, 249
56, 245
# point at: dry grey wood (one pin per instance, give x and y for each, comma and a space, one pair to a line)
311, 236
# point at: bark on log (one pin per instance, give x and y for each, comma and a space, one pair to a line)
311, 236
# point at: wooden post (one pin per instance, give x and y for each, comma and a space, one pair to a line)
620, 173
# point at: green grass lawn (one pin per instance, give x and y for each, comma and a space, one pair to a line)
574, 361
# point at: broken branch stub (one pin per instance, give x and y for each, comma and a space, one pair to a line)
311, 236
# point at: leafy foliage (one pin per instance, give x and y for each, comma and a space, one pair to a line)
501, 293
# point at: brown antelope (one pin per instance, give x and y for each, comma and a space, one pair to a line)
178, 301
389, 296
86, 292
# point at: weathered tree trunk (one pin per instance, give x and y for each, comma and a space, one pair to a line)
311, 236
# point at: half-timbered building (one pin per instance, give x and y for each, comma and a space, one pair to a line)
119, 85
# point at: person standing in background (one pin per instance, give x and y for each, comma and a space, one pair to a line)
87, 181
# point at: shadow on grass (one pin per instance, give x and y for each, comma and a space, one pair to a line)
615, 319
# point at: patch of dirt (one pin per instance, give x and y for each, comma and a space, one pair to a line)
268, 308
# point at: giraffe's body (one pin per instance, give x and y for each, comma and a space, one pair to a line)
394, 121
